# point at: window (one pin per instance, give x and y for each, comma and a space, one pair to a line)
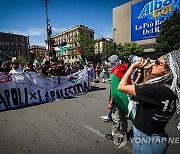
6, 47
75, 44
14, 47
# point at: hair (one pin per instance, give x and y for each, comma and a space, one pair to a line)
47, 62
61, 61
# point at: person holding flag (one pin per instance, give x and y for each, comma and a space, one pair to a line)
118, 104
80, 57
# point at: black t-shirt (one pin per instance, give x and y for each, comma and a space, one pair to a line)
157, 105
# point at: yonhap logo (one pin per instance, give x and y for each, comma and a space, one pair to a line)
120, 140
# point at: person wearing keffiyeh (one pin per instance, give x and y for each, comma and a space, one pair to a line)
159, 99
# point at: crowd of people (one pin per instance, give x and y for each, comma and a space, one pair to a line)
58, 68
46, 69
55, 68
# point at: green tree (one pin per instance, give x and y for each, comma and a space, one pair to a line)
123, 51
22, 60
107, 52
168, 38
86, 45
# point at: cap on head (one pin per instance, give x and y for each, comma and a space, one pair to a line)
172, 59
114, 59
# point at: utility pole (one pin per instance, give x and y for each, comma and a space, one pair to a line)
48, 27
114, 44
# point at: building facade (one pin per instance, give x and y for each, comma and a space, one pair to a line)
13, 46
101, 44
140, 21
70, 36
38, 52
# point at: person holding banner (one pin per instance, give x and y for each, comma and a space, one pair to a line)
45, 69
15, 68
5, 67
158, 98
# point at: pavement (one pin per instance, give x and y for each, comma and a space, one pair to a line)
69, 126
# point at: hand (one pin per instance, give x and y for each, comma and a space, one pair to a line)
109, 106
140, 63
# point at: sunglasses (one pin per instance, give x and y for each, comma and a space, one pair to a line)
157, 62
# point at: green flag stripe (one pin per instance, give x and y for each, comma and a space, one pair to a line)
120, 98
82, 61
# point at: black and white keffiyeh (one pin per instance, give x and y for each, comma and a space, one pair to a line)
114, 61
171, 79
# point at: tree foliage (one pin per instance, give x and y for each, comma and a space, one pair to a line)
107, 52
86, 45
168, 38
123, 51
22, 60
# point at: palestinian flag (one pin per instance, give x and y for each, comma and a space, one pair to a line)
80, 57
46, 57
61, 49
120, 98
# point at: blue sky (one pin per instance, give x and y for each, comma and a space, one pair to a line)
27, 17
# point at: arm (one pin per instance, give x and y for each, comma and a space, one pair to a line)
110, 104
124, 85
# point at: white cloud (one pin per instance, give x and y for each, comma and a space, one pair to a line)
54, 29
36, 35
37, 42
104, 33
35, 31
107, 34
30, 32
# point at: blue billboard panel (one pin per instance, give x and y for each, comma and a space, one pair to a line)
148, 15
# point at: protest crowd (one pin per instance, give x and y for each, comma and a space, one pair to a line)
55, 68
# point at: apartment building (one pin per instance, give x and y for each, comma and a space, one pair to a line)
70, 36
101, 44
13, 46
38, 52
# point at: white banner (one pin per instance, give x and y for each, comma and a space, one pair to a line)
23, 89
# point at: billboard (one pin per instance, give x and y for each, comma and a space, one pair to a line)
148, 15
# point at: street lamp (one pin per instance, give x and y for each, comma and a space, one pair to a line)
114, 44
48, 26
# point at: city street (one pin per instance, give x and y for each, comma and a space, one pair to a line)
66, 126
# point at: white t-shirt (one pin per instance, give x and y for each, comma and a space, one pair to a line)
19, 70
